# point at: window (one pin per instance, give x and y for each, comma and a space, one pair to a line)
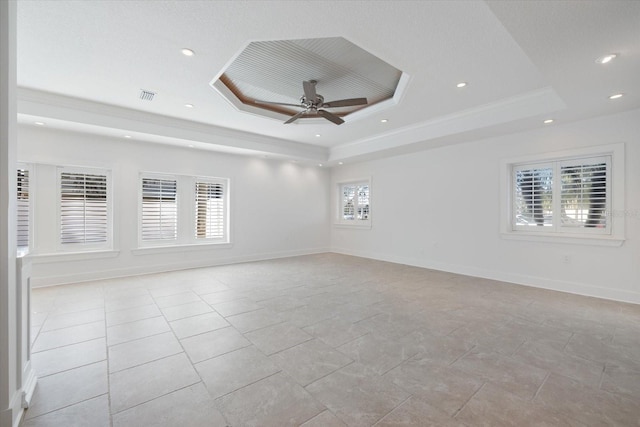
84, 208
210, 210
159, 209
23, 209
562, 196
354, 203
570, 194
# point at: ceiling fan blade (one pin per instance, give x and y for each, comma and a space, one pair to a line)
277, 103
310, 90
345, 102
331, 117
295, 117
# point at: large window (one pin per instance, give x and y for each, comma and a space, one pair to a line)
354, 202
575, 195
23, 209
84, 207
183, 210
159, 209
562, 196
210, 210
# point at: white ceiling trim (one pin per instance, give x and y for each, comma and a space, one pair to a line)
531, 104
33, 103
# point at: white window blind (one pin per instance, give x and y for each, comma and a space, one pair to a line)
210, 210
584, 193
83, 208
355, 202
23, 208
159, 209
533, 196
570, 196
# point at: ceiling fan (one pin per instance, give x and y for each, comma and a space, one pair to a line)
314, 104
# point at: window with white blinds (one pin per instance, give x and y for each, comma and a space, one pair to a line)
23, 209
84, 207
569, 195
210, 210
159, 219
354, 203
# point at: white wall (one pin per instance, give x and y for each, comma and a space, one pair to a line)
440, 208
278, 208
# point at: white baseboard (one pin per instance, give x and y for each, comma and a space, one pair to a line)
43, 281
518, 279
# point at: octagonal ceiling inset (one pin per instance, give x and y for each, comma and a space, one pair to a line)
274, 71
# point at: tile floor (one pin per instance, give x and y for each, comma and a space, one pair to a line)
330, 340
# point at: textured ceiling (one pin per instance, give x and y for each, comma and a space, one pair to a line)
81, 64
274, 71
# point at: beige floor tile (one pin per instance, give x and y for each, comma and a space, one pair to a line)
128, 301
492, 406
236, 306
324, 419
143, 350
619, 379
379, 354
444, 387
60, 321
591, 407
68, 357
273, 401
187, 407
355, 397
437, 348
336, 331
310, 361
68, 388
275, 338
140, 384
132, 314
519, 378
186, 310
136, 330
92, 412
177, 299
211, 344
71, 335
199, 324
415, 412
258, 319
231, 371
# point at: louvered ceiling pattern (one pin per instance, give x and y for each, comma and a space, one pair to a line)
274, 71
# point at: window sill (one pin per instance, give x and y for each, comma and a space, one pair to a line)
148, 250
592, 240
365, 226
73, 256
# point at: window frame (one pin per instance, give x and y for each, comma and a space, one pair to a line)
614, 233
339, 213
84, 247
186, 214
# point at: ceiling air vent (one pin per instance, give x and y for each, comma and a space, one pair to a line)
147, 95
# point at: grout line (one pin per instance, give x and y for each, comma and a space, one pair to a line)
541, 385
463, 355
467, 401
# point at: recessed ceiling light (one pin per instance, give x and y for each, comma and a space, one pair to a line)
190, 145
616, 96
320, 164
340, 163
188, 105
384, 120
461, 84
39, 123
187, 52
607, 58
546, 122
318, 135
127, 136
